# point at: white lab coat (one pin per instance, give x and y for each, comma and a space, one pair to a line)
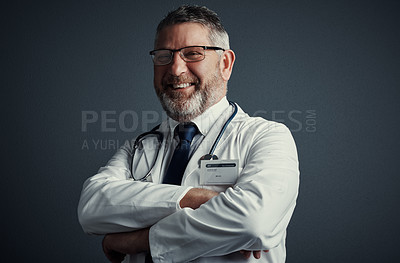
251, 214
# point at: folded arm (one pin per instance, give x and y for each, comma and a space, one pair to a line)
111, 202
116, 246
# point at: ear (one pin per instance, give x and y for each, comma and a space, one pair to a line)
226, 64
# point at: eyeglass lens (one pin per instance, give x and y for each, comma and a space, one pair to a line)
189, 54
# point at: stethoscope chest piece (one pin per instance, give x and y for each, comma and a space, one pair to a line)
209, 157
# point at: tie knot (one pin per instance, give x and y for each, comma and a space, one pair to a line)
186, 131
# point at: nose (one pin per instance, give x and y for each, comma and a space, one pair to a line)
177, 66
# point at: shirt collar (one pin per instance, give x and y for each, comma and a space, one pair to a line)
206, 120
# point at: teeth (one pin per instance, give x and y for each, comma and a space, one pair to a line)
181, 86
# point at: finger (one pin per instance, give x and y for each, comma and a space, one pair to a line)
246, 253
115, 257
104, 244
257, 254
112, 255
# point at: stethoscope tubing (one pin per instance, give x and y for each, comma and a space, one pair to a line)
160, 138
224, 128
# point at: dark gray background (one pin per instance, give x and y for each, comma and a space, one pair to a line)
328, 69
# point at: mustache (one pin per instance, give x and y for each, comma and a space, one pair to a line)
175, 80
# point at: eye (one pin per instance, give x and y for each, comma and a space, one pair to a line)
193, 54
162, 56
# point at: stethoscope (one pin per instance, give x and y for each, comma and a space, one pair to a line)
159, 137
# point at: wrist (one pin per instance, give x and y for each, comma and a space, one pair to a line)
196, 197
138, 241
145, 247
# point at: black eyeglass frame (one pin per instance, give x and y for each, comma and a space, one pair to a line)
152, 53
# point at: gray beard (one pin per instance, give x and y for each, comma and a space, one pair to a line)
183, 109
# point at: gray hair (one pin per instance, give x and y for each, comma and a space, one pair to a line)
197, 14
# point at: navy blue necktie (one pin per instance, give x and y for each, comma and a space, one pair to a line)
180, 159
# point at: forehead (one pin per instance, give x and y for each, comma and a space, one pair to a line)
183, 35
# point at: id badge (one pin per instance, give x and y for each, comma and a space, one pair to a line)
219, 172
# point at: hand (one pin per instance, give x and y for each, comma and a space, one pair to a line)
256, 253
196, 197
117, 246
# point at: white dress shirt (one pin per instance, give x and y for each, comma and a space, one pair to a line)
251, 214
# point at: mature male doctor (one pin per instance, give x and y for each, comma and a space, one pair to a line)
237, 210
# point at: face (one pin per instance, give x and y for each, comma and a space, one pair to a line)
187, 89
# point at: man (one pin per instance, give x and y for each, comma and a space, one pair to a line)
180, 216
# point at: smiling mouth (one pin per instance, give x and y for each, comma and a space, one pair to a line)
180, 85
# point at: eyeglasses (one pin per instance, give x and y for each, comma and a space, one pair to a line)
189, 54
